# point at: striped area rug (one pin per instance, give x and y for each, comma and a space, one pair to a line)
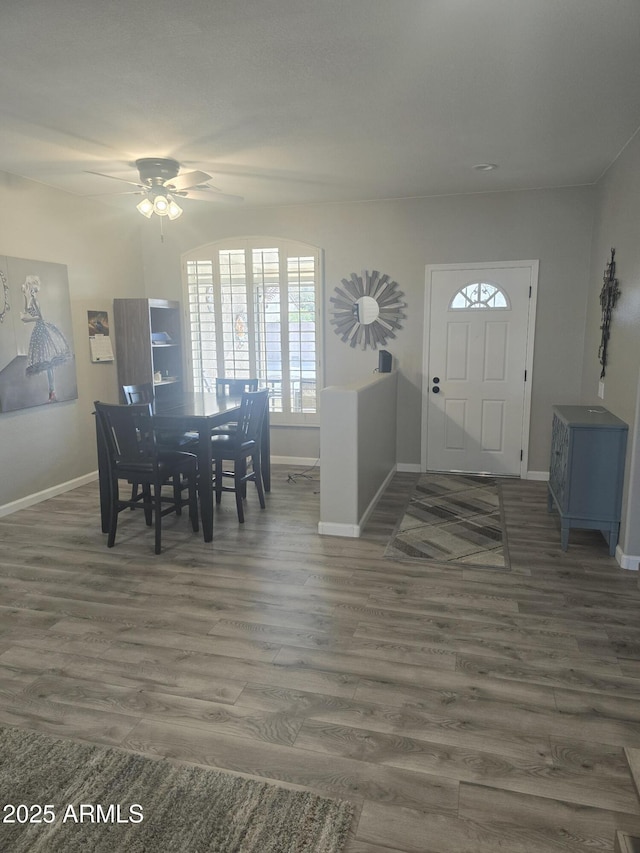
452, 518
69, 797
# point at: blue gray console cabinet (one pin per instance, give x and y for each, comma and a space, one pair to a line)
586, 471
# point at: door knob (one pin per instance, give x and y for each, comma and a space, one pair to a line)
436, 380
436, 389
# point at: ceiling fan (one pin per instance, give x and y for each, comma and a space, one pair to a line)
160, 182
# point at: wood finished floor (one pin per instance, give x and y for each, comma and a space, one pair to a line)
461, 710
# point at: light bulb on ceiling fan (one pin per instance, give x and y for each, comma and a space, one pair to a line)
161, 205
146, 207
174, 210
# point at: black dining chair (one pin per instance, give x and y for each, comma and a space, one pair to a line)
135, 395
144, 393
132, 454
242, 447
232, 388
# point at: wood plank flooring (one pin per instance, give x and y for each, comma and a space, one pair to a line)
460, 709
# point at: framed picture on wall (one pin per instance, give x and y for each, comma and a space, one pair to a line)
37, 361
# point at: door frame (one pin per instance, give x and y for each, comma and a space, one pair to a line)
533, 267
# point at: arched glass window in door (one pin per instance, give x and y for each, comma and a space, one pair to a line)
479, 294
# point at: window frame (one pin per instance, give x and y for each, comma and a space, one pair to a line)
287, 248
479, 304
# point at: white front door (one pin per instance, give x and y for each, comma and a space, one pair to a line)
477, 367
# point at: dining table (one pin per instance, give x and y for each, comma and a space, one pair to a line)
197, 412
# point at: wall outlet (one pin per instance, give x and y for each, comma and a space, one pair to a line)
601, 389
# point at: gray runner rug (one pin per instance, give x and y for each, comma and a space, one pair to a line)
452, 518
66, 797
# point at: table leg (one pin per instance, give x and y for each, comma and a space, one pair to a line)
103, 480
205, 482
265, 453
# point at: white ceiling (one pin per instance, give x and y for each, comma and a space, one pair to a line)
287, 101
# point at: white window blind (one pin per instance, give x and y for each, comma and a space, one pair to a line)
254, 311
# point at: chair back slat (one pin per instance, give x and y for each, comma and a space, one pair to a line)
136, 394
127, 431
235, 387
252, 411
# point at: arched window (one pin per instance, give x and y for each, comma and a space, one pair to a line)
479, 294
254, 311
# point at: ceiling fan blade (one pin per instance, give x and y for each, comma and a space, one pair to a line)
114, 178
114, 195
188, 179
212, 195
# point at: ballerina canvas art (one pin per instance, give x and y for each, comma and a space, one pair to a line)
48, 347
37, 364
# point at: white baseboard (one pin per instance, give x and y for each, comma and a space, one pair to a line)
45, 494
409, 467
627, 561
331, 528
376, 498
294, 460
537, 475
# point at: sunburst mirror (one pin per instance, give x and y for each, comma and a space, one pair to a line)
367, 309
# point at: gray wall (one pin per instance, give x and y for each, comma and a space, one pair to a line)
113, 253
617, 225
400, 238
47, 445
358, 430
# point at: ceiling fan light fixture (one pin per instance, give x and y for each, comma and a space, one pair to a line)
145, 207
161, 205
161, 181
174, 210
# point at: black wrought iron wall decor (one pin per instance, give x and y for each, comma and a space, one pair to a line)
4, 296
608, 298
367, 309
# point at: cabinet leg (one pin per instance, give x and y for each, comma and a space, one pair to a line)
549, 501
564, 537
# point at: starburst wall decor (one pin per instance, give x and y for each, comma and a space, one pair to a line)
367, 309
